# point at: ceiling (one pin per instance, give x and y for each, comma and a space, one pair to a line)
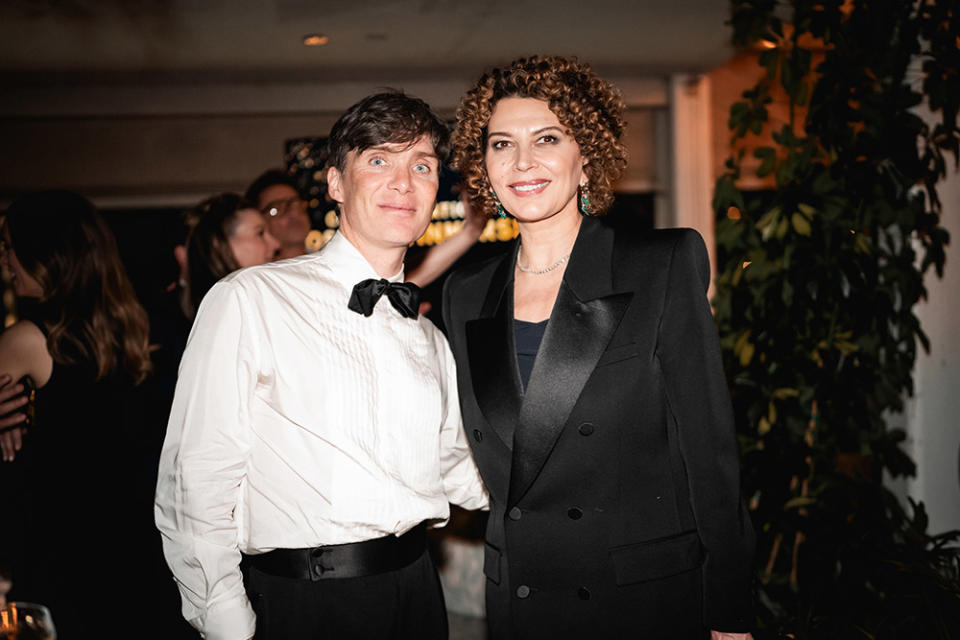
43, 41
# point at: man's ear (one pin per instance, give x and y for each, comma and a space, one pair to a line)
334, 187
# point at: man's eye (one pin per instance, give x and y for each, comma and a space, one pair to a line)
377, 161
420, 167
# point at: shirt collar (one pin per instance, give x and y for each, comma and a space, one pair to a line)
348, 264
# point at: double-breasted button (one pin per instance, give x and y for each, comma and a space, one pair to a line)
586, 429
584, 593
477, 435
523, 591
515, 513
574, 513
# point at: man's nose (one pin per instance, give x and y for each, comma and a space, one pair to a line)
400, 179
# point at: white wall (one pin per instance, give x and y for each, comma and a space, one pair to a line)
933, 414
691, 164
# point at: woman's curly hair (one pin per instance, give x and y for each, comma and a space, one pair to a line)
590, 108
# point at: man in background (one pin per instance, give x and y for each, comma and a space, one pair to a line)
275, 195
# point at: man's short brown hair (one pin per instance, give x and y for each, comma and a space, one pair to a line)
391, 117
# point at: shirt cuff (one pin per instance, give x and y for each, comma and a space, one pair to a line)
230, 621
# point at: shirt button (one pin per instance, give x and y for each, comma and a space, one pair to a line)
586, 429
584, 593
477, 435
574, 513
523, 591
515, 513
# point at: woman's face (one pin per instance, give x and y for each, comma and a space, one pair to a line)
24, 285
250, 241
533, 163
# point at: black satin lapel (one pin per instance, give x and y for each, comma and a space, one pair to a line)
493, 362
497, 292
576, 336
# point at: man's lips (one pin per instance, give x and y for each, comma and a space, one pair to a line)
397, 208
528, 187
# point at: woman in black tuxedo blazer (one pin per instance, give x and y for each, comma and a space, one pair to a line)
591, 383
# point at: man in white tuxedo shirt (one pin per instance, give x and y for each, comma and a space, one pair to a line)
316, 432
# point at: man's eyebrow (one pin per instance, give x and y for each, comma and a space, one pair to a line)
392, 147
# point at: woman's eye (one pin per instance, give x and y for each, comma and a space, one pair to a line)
549, 139
499, 144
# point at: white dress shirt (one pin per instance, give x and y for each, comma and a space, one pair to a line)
297, 423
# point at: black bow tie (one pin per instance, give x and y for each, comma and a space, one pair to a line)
404, 296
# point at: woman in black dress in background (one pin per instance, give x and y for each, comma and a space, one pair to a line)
77, 497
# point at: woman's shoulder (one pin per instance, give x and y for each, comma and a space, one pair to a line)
24, 334
478, 270
688, 257
669, 239
660, 255
23, 351
663, 246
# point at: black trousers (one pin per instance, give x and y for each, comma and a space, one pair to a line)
406, 603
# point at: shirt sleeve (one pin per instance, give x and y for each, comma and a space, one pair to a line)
203, 465
461, 479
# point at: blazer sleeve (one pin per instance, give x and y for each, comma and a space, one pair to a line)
688, 350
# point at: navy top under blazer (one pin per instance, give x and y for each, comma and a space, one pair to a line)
614, 480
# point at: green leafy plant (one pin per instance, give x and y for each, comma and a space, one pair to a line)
819, 277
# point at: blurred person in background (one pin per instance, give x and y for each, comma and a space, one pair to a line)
226, 233
77, 520
275, 195
220, 235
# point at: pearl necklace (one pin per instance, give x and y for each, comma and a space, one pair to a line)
539, 272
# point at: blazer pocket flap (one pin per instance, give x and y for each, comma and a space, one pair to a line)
618, 353
658, 558
491, 562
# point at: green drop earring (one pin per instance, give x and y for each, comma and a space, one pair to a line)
500, 212
585, 206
